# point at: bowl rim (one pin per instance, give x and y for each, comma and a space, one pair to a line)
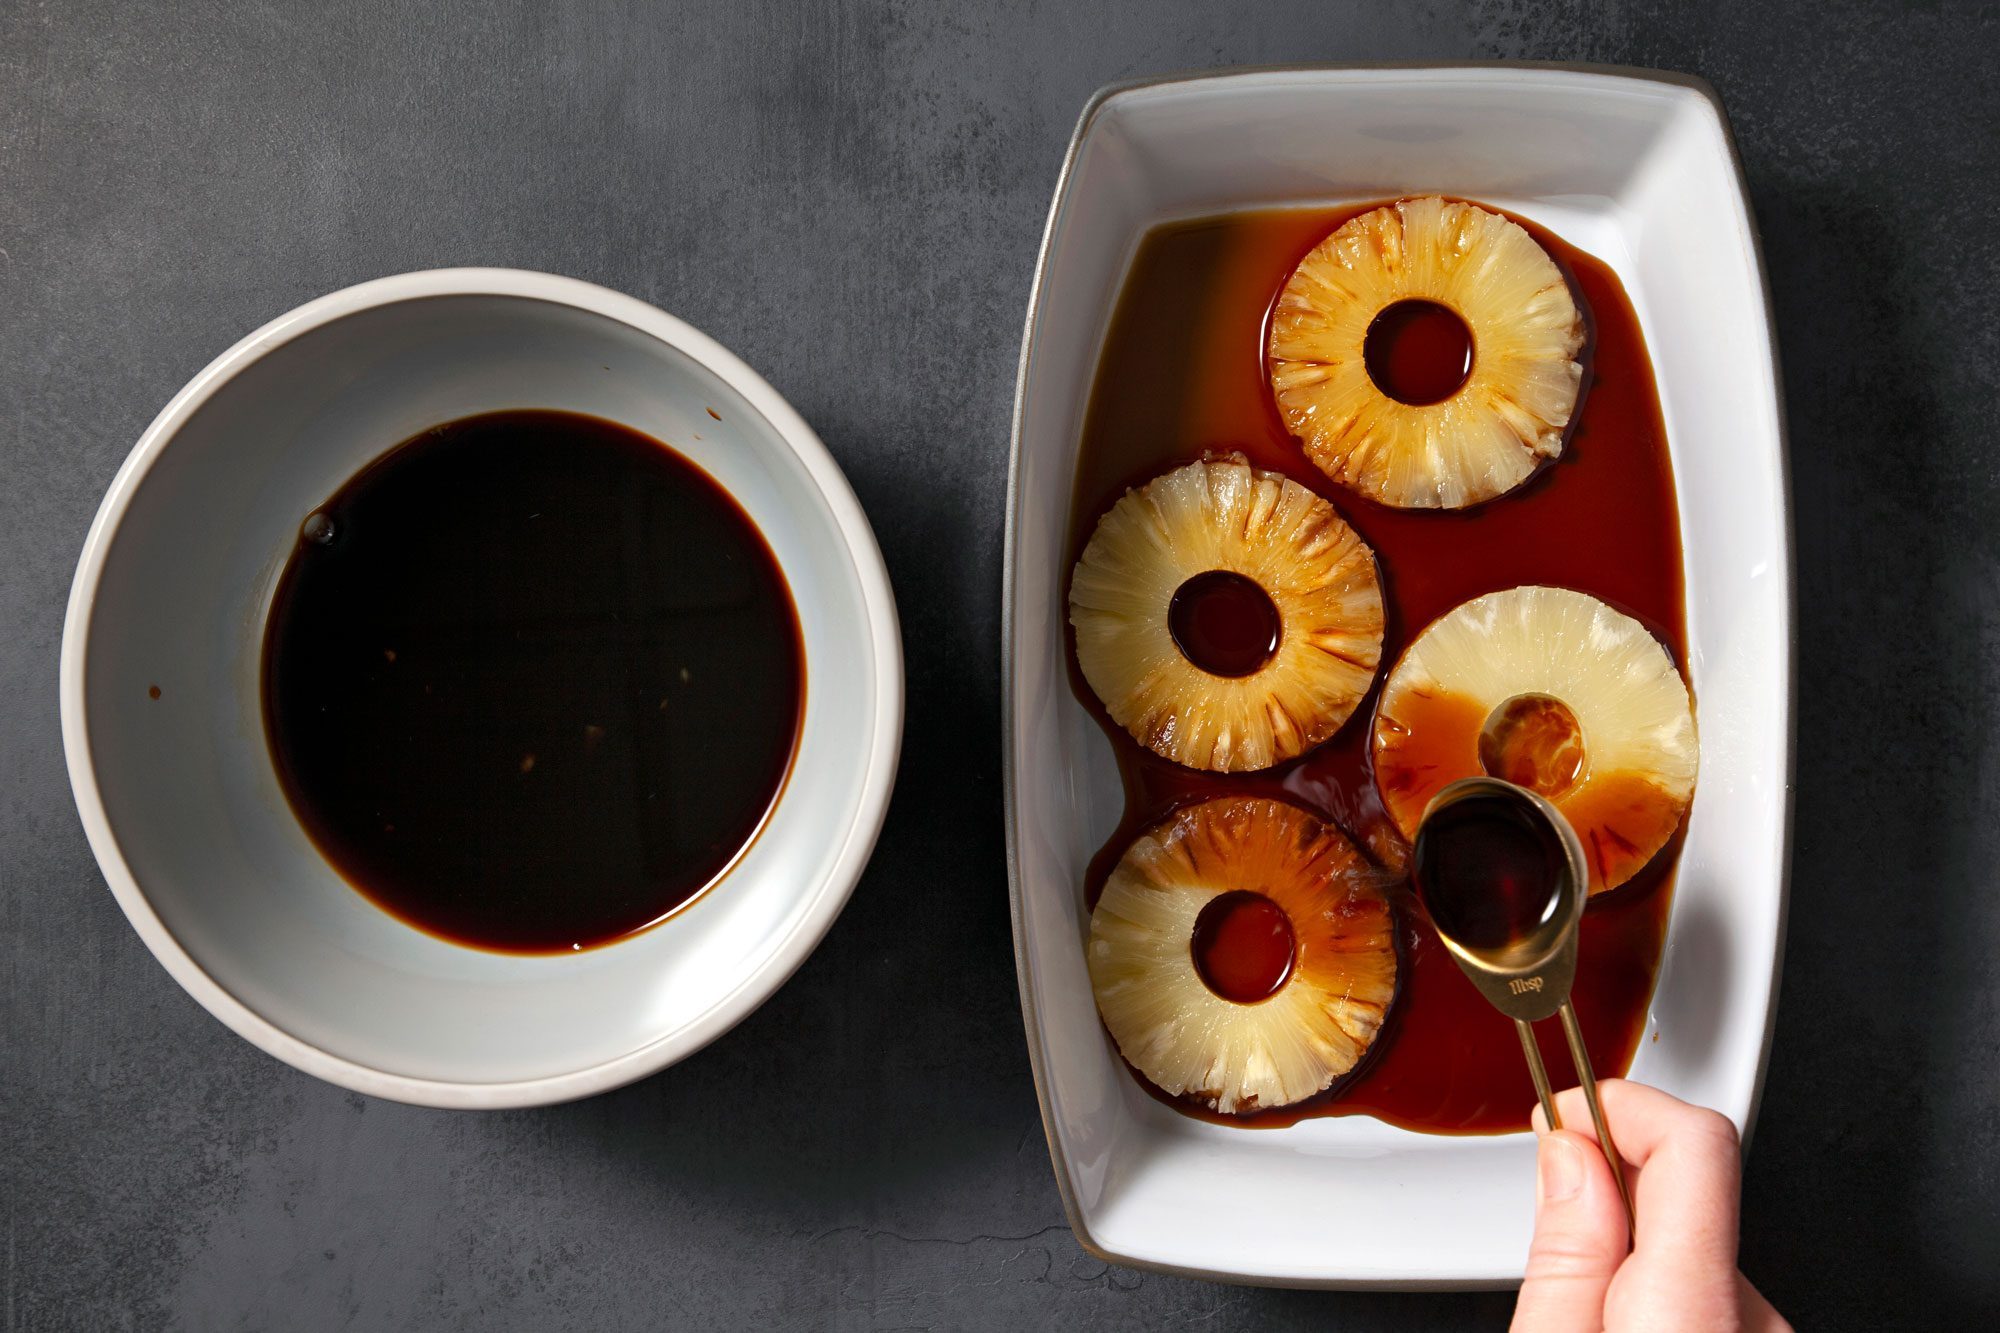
845, 860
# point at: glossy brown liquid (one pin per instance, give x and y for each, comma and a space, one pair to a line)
531, 681
1533, 741
1224, 623
1183, 373
1418, 352
1488, 871
1243, 946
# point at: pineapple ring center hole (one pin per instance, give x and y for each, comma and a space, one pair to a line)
1243, 946
1533, 741
1225, 624
1418, 352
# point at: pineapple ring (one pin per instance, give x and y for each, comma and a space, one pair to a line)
1508, 415
1554, 690
1222, 514
1325, 1012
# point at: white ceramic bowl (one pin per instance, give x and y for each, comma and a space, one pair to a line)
1638, 171
178, 795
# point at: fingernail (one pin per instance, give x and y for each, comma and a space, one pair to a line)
1559, 1169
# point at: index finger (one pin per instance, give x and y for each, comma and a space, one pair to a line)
1685, 1183
1643, 1119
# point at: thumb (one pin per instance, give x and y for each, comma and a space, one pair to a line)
1580, 1238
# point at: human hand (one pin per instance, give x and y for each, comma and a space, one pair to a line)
1685, 1169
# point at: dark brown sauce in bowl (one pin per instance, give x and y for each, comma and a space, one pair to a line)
532, 681
1182, 373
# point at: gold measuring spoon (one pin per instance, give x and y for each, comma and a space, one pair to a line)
1503, 876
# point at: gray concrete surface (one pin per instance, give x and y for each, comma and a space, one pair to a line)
851, 197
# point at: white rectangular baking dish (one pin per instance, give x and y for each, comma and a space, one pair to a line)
1638, 170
